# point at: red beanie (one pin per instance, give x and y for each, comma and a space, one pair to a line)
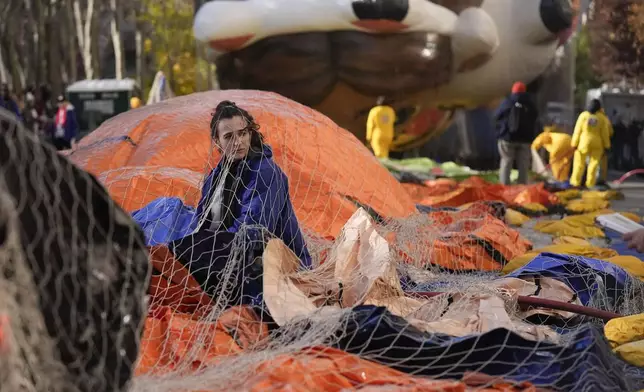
519, 87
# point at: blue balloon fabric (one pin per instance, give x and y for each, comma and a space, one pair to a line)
584, 275
263, 198
584, 363
164, 220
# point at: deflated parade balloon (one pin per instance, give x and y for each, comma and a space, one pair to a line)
426, 58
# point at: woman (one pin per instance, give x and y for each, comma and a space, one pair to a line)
66, 126
246, 194
591, 140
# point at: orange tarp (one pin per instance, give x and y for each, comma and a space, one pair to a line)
165, 150
322, 369
453, 239
169, 152
172, 285
176, 341
180, 344
451, 193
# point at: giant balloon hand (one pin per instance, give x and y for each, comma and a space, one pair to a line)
338, 56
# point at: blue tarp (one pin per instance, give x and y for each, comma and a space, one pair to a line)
503, 353
164, 220
585, 363
260, 202
558, 186
582, 274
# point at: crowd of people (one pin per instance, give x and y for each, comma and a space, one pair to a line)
597, 142
53, 121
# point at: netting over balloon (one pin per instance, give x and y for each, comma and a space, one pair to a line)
397, 296
73, 274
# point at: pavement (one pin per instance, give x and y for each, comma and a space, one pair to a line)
633, 190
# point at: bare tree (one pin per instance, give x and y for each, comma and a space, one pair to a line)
5, 11
40, 39
84, 29
135, 12
71, 39
4, 74
57, 42
19, 79
116, 20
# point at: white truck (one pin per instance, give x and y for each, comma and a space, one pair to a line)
628, 104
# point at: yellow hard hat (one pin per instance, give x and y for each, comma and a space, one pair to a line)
135, 102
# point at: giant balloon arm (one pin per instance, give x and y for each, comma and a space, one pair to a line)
232, 25
257, 19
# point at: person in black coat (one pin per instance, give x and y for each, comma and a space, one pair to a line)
516, 122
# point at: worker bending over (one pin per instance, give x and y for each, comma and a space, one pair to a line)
559, 147
380, 128
591, 139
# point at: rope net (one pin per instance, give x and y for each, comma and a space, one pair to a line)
74, 272
397, 297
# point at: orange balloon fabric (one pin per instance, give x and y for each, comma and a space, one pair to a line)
165, 150
180, 344
472, 238
450, 193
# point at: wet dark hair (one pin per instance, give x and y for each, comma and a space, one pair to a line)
229, 109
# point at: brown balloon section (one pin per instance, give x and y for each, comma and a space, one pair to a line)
342, 73
305, 67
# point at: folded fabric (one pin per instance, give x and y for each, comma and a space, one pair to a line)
588, 277
582, 364
626, 336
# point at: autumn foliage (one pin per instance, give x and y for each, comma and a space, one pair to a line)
617, 39
637, 21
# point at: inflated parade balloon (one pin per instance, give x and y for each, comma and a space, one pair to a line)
426, 58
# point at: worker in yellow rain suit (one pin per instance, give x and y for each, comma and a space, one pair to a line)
591, 139
380, 128
559, 147
603, 170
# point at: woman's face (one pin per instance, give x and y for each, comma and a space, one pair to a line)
233, 137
